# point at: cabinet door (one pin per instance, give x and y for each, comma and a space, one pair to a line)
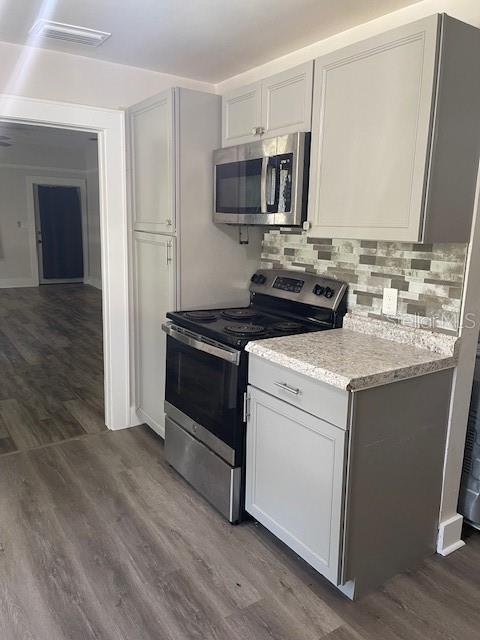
155, 295
370, 136
152, 165
294, 479
287, 101
241, 115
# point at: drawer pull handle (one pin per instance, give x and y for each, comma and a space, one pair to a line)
287, 387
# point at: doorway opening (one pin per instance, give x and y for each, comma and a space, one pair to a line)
51, 325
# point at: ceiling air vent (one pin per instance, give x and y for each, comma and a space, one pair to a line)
69, 33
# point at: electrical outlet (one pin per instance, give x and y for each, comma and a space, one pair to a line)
390, 301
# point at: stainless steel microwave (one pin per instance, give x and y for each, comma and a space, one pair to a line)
264, 182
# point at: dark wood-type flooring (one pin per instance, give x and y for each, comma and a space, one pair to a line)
51, 365
101, 539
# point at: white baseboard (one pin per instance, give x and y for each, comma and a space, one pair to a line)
153, 424
93, 282
450, 535
12, 283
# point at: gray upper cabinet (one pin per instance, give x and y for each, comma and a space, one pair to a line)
395, 141
152, 144
275, 106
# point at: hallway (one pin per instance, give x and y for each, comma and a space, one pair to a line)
51, 365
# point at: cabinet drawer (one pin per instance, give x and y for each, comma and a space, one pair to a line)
313, 396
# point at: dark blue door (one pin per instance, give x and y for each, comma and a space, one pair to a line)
60, 216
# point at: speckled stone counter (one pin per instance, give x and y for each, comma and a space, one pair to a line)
352, 360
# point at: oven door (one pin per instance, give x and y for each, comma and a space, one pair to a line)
204, 390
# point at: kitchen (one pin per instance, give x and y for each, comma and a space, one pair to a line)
341, 445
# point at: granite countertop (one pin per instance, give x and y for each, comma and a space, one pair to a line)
353, 360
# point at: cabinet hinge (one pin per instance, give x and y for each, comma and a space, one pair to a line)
246, 407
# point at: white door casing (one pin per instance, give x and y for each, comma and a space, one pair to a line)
110, 126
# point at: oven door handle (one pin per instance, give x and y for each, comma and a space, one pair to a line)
201, 344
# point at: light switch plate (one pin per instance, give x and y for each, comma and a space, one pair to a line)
390, 301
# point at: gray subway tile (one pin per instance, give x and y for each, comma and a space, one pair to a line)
420, 265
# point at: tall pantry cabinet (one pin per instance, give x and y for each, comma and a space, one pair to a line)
180, 258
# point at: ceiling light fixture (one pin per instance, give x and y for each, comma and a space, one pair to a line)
69, 33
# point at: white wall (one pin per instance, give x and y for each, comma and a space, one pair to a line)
51, 75
466, 10
16, 227
93, 272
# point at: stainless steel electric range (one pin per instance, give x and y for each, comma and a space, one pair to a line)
206, 375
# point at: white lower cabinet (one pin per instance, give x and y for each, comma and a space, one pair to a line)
295, 479
155, 295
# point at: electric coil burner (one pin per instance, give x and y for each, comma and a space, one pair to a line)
239, 314
289, 326
206, 375
200, 316
245, 329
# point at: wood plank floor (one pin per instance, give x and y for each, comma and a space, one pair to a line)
51, 365
101, 539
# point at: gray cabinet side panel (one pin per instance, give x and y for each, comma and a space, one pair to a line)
395, 477
207, 252
456, 135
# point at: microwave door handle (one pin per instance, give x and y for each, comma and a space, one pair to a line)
277, 185
264, 185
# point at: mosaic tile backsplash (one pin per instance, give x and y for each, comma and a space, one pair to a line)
429, 277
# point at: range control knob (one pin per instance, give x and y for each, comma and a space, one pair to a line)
258, 278
318, 290
329, 292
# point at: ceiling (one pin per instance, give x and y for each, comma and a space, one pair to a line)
22, 144
23, 134
208, 40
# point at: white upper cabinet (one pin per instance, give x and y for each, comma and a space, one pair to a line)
241, 115
385, 146
151, 129
372, 104
275, 106
287, 101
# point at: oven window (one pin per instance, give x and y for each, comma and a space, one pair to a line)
205, 388
238, 187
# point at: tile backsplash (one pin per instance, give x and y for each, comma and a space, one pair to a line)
429, 277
